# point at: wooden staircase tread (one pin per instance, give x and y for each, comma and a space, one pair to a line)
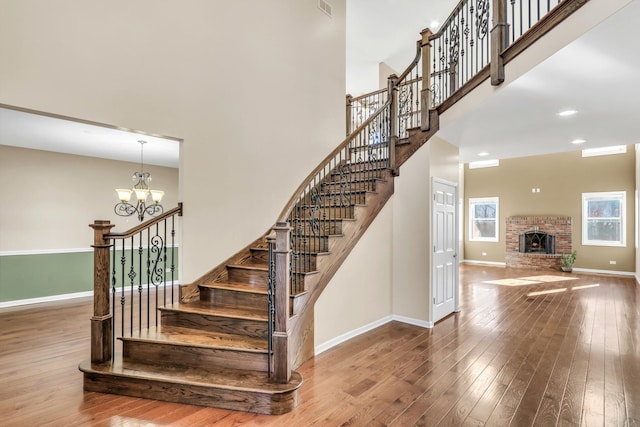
175, 335
212, 377
205, 308
237, 286
251, 265
251, 262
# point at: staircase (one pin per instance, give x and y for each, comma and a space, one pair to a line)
217, 346
212, 349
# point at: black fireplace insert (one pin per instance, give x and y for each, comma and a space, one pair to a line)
537, 242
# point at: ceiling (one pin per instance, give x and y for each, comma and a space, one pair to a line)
593, 75
42, 132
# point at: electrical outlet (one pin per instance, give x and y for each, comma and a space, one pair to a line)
612, 262
484, 254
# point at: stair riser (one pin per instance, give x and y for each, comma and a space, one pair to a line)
369, 185
335, 198
357, 176
360, 166
239, 400
306, 262
311, 244
327, 228
233, 299
197, 357
260, 256
242, 275
326, 213
251, 328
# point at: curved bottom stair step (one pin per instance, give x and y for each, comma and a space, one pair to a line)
171, 345
234, 389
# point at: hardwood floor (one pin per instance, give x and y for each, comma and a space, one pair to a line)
510, 357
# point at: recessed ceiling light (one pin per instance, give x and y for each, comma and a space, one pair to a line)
484, 153
484, 164
434, 24
578, 141
565, 113
604, 151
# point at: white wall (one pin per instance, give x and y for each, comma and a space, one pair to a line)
412, 226
51, 198
637, 217
255, 89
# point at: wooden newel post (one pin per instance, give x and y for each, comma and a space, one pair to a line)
499, 40
101, 329
392, 87
426, 96
281, 359
349, 110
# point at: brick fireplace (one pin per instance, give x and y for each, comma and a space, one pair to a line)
557, 226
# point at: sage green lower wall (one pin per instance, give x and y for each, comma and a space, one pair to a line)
29, 276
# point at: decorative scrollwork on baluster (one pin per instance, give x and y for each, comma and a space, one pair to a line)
482, 19
405, 102
315, 198
156, 271
345, 184
454, 45
435, 95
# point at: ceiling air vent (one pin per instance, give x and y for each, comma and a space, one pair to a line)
325, 7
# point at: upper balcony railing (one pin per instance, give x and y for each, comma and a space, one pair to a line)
475, 41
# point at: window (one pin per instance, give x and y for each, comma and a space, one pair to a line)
603, 221
483, 219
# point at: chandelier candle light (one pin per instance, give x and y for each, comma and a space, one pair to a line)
142, 190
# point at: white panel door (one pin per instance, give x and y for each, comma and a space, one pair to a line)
445, 249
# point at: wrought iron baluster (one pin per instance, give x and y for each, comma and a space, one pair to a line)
173, 252
164, 261
270, 305
123, 299
113, 298
132, 277
140, 250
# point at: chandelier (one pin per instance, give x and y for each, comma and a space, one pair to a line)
142, 191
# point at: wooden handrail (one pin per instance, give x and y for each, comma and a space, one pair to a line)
412, 63
135, 230
367, 95
284, 215
449, 19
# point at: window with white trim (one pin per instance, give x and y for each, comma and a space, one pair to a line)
603, 218
483, 219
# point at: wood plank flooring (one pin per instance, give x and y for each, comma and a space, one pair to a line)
567, 356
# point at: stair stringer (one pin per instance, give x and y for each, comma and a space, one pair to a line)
417, 138
301, 326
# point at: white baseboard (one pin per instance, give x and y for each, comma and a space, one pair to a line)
478, 262
411, 321
51, 298
617, 273
366, 328
61, 297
